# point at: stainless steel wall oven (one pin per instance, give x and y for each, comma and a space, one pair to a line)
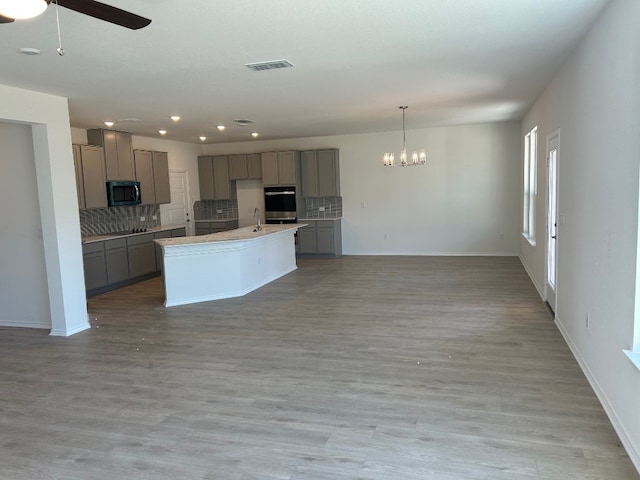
280, 205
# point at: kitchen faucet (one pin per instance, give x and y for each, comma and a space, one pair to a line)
256, 214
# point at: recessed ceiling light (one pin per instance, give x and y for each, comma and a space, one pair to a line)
175, 118
162, 132
254, 134
109, 124
30, 51
203, 138
221, 127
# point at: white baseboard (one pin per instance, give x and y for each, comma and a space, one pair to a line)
533, 280
17, 323
73, 331
632, 449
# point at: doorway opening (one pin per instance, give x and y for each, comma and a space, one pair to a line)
550, 287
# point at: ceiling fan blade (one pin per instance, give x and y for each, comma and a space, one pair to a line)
105, 12
5, 19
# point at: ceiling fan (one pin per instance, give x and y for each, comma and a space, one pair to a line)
11, 10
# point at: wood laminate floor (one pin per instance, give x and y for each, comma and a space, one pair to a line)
368, 368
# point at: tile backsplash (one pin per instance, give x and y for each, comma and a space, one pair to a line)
332, 207
102, 221
215, 209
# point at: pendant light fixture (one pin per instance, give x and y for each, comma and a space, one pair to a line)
22, 9
417, 158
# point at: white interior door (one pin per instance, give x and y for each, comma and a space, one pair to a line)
553, 150
179, 211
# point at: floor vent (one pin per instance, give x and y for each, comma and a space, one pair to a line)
270, 65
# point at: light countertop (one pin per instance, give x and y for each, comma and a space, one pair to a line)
110, 236
239, 234
221, 220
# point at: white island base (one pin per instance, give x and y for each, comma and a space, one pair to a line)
226, 264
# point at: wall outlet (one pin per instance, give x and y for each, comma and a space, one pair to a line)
586, 320
321, 209
386, 236
363, 204
142, 219
154, 217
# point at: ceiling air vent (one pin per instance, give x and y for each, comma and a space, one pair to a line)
243, 122
270, 65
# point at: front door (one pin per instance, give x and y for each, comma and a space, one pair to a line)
553, 149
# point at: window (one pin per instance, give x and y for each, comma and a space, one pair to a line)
529, 201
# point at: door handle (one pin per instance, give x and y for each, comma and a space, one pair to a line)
553, 236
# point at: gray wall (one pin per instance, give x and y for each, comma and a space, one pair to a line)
24, 293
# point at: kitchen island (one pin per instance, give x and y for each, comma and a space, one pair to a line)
226, 264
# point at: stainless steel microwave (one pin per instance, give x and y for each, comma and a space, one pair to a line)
123, 192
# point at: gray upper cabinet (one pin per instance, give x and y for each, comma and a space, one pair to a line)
205, 178
280, 168
309, 173
118, 154
245, 166
254, 166
143, 161
161, 177
152, 171
238, 169
221, 180
213, 175
90, 176
320, 172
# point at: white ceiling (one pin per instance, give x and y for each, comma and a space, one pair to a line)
451, 61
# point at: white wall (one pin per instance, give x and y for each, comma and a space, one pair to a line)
465, 201
48, 116
250, 197
595, 102
24, 294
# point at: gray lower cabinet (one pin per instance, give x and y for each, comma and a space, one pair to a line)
95, 267
321, 237
142, 255
307, 238
117, 260
121, 261
163, 234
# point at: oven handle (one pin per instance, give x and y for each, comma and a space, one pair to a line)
270, 194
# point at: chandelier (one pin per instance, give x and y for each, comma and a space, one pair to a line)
417, 158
